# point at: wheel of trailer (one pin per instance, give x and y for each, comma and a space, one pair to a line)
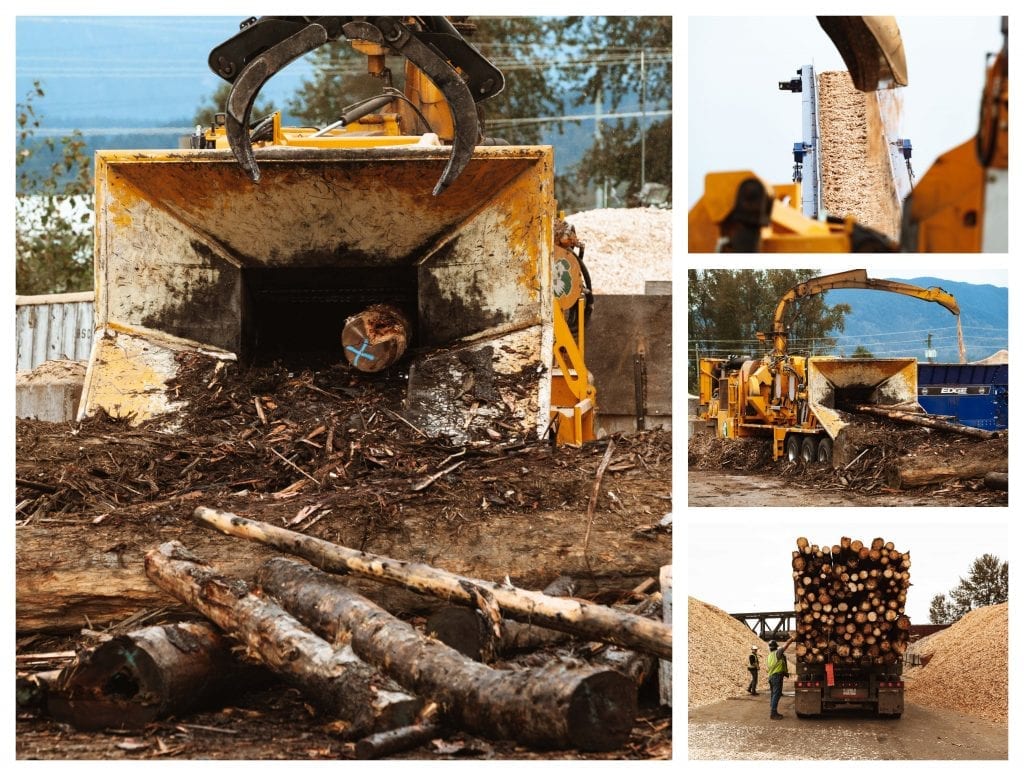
793, 447
825, 450
809, 449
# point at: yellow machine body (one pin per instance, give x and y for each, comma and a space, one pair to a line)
798, 396
193, 256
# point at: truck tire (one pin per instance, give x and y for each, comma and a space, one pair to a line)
793, 447
809, 449
825, 450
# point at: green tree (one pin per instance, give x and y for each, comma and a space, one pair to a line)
987, 583
53, 208
216, 102
726, 309
862, 352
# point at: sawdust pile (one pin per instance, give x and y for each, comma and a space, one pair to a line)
968, 667
718, 646
48, 371
625, 247
856, 174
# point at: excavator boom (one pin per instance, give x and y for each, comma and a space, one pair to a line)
854, 278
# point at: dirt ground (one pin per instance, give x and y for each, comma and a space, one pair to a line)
739, 729
330, 455
724, 488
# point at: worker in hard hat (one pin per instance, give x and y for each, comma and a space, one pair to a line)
753, 665
778, 669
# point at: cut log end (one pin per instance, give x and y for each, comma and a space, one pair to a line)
601, 712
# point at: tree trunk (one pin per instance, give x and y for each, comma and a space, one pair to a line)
925, 420
338, 681
147, 674
472, 634
102, 581
398, 740
909, 473
997, 480
554, 706
590, 621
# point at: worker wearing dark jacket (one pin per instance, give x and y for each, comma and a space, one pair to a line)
753, 665
778, 669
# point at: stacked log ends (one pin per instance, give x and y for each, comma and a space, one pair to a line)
850, 601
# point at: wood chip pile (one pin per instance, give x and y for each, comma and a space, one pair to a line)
625, 247
718, 646
967, 671
856, 174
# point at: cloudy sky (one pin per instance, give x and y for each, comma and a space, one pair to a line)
741, 563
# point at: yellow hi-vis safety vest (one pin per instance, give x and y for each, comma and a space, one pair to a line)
777, 663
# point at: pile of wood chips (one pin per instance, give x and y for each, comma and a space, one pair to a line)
625, 247
718, 646
967, 671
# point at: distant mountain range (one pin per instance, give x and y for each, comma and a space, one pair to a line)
895, 325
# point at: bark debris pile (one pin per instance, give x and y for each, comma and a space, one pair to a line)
856, 174
625, 247
850, 602
718, 646
967, 670
889, 456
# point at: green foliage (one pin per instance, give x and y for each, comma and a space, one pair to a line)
727, 308
218, 100
53, 245
862, 352
987, 583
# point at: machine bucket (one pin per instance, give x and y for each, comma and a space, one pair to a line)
871, 47
835, 383
193, 256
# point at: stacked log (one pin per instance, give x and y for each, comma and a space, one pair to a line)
850, 602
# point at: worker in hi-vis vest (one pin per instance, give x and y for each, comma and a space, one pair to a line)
778, 669
753, 665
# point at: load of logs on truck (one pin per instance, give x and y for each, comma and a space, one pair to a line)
807, 405
851, 627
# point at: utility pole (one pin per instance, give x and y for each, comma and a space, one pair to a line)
599, 187
929, 352
643, 120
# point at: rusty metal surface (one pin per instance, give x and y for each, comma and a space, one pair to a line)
877, 380
621, 324
178, 234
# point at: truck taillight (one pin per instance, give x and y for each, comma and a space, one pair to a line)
808, 684
890, 684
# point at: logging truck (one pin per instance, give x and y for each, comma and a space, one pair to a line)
851, 629
798, 401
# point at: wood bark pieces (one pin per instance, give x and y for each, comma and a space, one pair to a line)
849, 602
856, 174
554, 706
590, 621
974, 650
144, 675
335, 679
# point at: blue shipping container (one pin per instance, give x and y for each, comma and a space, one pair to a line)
975, 394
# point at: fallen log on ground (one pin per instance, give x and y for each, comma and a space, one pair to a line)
997, 480
590, 621
145, 675
912, 472
398, 740
554, 706
335, 679
102, 581
472, 634
924, 420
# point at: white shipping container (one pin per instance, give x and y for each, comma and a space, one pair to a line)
54, 326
